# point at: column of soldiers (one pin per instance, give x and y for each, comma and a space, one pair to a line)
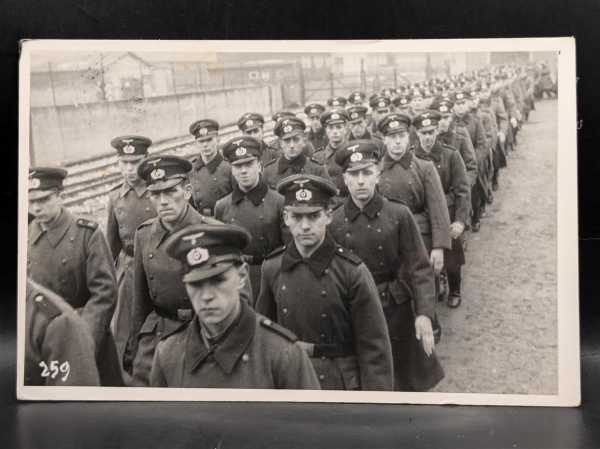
313, 262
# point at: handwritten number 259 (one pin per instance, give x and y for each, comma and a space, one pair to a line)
55, 368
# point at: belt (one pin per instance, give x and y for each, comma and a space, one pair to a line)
182, 315
332, 350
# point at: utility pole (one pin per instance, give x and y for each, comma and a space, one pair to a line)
363, 76
301, 84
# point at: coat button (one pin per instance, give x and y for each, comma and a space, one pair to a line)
347, 235
64, 261
72, 239
283, 287
150, 255
245, 358
380, 247
323, 292
323, 315
321, 377
284, 310
322, 335
39, 298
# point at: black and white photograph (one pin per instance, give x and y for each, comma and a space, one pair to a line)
315, 221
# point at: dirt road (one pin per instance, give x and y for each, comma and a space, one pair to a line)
503, 338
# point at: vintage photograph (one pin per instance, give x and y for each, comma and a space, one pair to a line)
324, 221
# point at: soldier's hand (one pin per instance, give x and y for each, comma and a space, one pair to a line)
424, 333
436, 260
309, 348
513, 122
456, 229
501, 136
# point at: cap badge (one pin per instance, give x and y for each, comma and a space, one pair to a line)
382, 104
443, 108
303, 195
459, 96
403, 101
356, 157
250, 122
128, 149
157, 173
34, 183
241, 151
394, 124
335, 103
288, 128
354, 115
335, 116
426, 122
203, 131
197, 255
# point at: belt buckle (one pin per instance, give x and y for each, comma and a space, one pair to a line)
184, 314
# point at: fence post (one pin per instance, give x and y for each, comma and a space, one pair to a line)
331, 84
301, 84
363, 76
395, 78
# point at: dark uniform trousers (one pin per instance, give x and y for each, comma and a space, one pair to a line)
259, 211
416, 183
386, 237
128, 207
57, 338
453, 177
253, 353
281, 168
160, 302
71, 258
209, 182
330, 300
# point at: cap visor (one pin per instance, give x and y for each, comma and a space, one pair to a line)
355, 166
334, 122
304, 209
296, 132
132, 157
243, 160
203, 273
396, 131
39, 194
427, 128
164, 185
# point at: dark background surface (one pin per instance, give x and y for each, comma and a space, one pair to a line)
210, 425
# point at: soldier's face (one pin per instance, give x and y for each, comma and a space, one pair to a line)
336, 132
170, 203
444, 123
397, 143
46, 209
378, 114
246, 174
427, 138
218, 298
418, 104
315, 123
257, 133
361, 183
208, 147
460, 108
128, 169
358, 128
292, 146
308, 229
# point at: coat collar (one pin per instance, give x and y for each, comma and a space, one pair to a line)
140, 189
229, 349
405, 160
370, 210
256, 195
434, 155
55, 231
295, 164
317, 262
211, 166
160, 232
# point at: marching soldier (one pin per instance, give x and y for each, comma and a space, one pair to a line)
416, 183
336, 103
293, 160
326, 295
128, 206
464, 118
335, 123
59, 349
252, 204
227, 344
386, 237
316, 132
160, 305
308, 148
453, 176
357, 122
497, 106
380, 107
251, 124
210, 176
490, 126
70, 256
455, 137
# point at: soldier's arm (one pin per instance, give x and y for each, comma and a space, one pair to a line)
371, 337
501, 116
101, 285
481, 143
296, 371
265, 303
112, 231
460, 188
418, 267
69, 348
437, 208
157, 376
468, 155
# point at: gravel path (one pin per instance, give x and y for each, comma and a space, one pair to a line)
503, 338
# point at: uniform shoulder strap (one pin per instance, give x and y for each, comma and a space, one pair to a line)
117, 186
275, 252
278, 329
271, 162
85, 223
145, 223
345, 254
